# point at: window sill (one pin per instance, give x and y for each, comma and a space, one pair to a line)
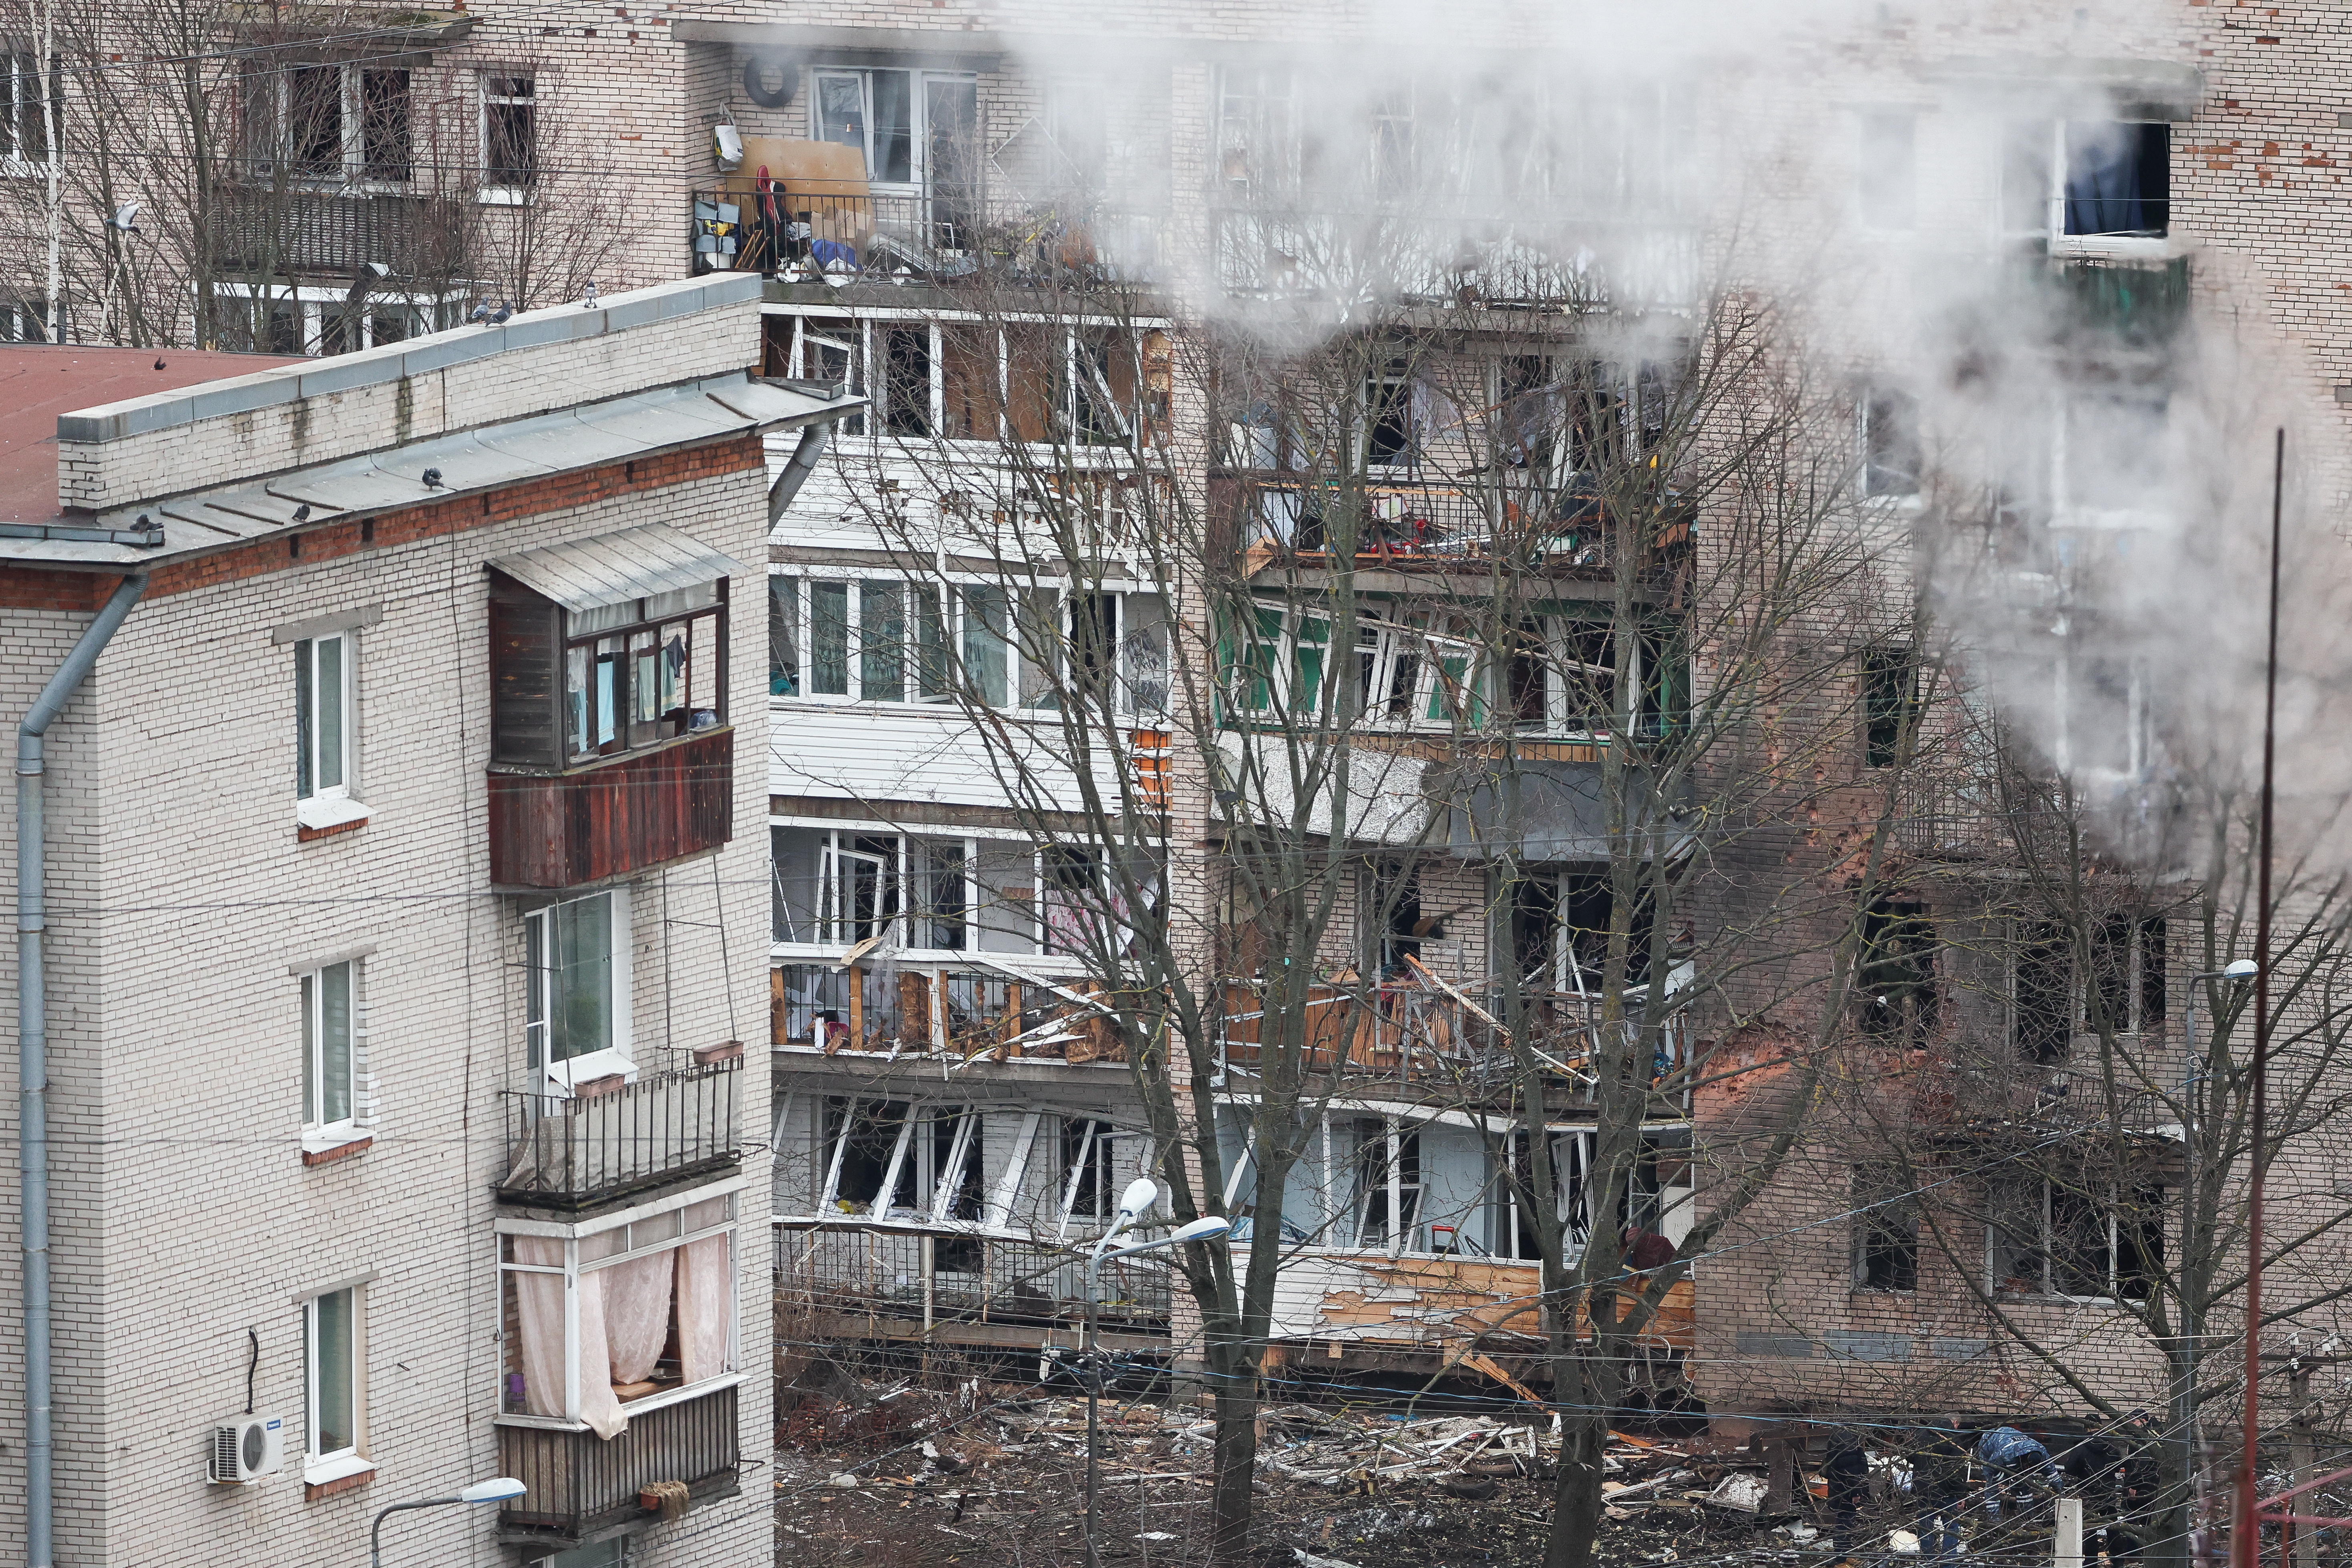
326, 1149
574, 1072
320, 816
324, 1479
502, 196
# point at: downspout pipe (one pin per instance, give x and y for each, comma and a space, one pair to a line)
33, 1065
797, 469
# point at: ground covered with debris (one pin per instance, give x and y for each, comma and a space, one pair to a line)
913, 1477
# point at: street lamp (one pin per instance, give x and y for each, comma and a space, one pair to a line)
2193, 1321
496, 1489
1137, 1201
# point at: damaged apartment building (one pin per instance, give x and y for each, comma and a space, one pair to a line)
952, 1116
1000, 537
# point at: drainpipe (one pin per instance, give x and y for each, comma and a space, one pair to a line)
33, 1063
802, 464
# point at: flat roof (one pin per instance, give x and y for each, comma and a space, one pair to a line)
38, 382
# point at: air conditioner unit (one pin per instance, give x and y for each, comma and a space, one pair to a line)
246, 1448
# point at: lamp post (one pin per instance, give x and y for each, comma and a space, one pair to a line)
1141, 1194
2193, 1321
498, 1489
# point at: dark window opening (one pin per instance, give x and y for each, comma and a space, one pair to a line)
314, 120
1388, 416
1886, 1231
384, 137
509, 131
1891, 457
2126, 968
906, 381
939, 896
863, 1154
1085, 1168
1380, 1223
1890, 704
1529, 676
2041, 994
1588, 659
1895, 980
1396, 893
2118, 178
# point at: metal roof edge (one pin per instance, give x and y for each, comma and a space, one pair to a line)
415, 356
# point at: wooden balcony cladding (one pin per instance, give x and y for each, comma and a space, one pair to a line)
615, 817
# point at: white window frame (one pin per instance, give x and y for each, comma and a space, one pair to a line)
614, 1058
573, 1267
795, 590
491, 194
321, 1466
919, 111
315, 306
314, 764
2053, 206
351, 109
14, 164
318, 1130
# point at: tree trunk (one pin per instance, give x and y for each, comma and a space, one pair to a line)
1236, 1413
1576, 1507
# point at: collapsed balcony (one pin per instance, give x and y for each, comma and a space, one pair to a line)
964, 1014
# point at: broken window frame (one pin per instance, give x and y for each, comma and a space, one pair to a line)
1078, 396
1895, 989
1890, 703
939, 1182
924, 177
2038, 1201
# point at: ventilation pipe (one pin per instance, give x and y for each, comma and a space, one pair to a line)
797, 470
33, 1066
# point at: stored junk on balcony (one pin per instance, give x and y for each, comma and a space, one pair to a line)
607, 1142
609, 744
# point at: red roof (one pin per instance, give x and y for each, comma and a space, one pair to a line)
40, 381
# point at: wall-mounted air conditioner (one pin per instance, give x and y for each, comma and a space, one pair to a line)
246, 1448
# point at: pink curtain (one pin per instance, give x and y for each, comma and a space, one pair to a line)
539, 1305
637, 1314
706, 1305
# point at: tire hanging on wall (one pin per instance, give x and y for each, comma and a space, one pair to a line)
789, 70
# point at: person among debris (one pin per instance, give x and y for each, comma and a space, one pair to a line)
1646, 1249
2012, 1459
1939, 1485
1848, 1474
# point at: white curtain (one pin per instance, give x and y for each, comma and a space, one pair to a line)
538, 1306
706, 1305
637, 1314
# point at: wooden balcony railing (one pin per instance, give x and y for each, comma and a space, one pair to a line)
578, 1485
613, 818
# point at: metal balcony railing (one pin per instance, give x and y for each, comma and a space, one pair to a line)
938, 1276
572, 1152
946, 233
578, 1485
332, 232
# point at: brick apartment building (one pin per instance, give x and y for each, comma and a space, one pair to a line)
463, 878
924, 1188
